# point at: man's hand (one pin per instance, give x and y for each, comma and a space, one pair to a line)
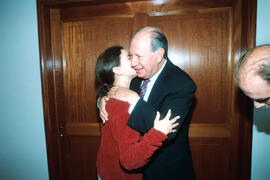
102, 109
123, 94
166, 125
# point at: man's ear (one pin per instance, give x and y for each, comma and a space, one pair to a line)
117, 70
159, 53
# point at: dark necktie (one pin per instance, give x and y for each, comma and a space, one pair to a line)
144, 87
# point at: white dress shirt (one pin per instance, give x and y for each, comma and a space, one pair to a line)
149, 87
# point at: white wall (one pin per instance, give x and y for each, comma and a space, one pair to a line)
260, 169
22, 137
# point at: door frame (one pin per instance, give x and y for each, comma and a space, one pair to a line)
52, 129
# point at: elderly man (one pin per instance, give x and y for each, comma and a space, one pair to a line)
162, 86
253, 75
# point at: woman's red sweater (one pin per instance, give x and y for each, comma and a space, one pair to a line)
122, 148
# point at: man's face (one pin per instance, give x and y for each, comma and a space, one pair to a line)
143, 60
257, 89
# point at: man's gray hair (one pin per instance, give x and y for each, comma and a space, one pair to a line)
158, 39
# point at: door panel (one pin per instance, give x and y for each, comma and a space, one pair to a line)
207, 152
199, 44
205, 39
83, 41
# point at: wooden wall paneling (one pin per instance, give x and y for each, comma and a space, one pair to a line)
58, 88
246, 123
204, 151
80, 110
235, 54
83, 41
74, 73
205, 39
200, 44
131, 8
46, 62
140, 20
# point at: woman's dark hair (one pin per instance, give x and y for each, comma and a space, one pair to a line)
104, 74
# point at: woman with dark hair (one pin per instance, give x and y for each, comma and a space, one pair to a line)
122, 149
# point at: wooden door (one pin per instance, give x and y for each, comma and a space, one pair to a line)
206, 37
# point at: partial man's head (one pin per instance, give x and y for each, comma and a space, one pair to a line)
148, 50
253, 75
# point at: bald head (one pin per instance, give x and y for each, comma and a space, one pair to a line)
253, 74
255, 62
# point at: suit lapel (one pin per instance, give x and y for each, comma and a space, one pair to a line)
159, 84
